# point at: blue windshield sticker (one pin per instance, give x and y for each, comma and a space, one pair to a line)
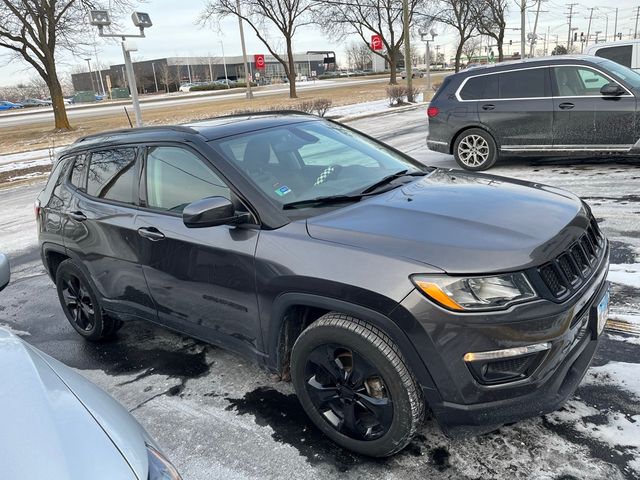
282, 191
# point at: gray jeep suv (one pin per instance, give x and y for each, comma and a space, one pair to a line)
382, 287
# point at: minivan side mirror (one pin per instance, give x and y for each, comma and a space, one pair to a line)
211, 212
5, 271
611, 90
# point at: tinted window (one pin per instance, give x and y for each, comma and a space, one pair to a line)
621, 54
473, 89
578, 81
56, 177
523, 83
77, 174
112, 175
176, 177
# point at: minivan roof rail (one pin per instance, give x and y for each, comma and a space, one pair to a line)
175, 128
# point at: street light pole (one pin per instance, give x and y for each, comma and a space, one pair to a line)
100, 19
407, 49
155, 79
224, 65
244, 53
93, 83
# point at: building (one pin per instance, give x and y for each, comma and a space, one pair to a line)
167, 74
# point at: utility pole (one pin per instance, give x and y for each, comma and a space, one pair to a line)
570, 14
615, 27
535, 27
635, 32
586, 40
93, 84
523, 11
407, 49
244, 52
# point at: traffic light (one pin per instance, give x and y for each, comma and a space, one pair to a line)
620, 36
575, 36
510, 42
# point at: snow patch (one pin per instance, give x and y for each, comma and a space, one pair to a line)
19, 333
620, 374
632, 339
625, 317
625, 274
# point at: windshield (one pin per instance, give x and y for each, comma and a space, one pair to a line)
631, 77
304, 161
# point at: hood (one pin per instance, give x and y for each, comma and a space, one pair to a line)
46, 431
460, 222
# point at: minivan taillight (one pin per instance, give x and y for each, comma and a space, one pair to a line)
432, 112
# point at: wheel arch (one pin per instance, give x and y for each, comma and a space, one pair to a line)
479, 126
286, 327
52, 256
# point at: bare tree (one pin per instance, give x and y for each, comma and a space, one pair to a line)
35, 31
472, 48
461, 16
341, 19
165, 76
491, 17
262, 15
359, 55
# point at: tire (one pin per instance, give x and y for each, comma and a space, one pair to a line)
354, 384
475, 150
81, 305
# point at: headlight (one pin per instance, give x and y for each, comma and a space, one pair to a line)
475, 293
160, 467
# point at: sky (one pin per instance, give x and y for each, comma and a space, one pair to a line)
175, 33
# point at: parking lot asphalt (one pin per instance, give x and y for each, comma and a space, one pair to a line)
218, 416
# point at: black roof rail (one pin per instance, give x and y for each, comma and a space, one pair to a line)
175, 128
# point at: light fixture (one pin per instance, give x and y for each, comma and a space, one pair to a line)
99, 18
141, 20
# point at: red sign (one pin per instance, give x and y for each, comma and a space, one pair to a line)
376, 42
258, 60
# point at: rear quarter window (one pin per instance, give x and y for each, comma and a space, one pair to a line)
56, 177
621, 54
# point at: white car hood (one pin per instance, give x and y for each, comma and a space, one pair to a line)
47, 432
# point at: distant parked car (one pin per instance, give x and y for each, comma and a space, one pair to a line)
77, 430
186, 87
414, 74
576, 105
34, 102
5, 105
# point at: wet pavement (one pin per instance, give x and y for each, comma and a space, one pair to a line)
218, 416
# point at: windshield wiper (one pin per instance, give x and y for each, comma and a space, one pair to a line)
391, 178
322, 200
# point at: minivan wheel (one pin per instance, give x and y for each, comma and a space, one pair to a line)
475, 150
354, 384
81, 305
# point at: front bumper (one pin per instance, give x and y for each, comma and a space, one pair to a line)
460, 402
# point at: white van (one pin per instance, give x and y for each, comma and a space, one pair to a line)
625, 53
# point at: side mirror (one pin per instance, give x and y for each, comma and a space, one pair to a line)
611, 90
211, 212
5, 271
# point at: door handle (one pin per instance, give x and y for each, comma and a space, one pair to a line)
488, 106
77, 216
152, 233
566, 105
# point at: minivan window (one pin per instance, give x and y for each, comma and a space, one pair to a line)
112, 175
620, 54
527, 83
77, 173
176, 177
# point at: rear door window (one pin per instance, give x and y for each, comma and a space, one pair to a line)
527, 83
621, 54
112, 175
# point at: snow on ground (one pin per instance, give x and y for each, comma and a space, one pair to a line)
374, 106
624, 375
625, 274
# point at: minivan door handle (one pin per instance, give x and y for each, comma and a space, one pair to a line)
77, 216
566, 105
152, 233
488, 106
